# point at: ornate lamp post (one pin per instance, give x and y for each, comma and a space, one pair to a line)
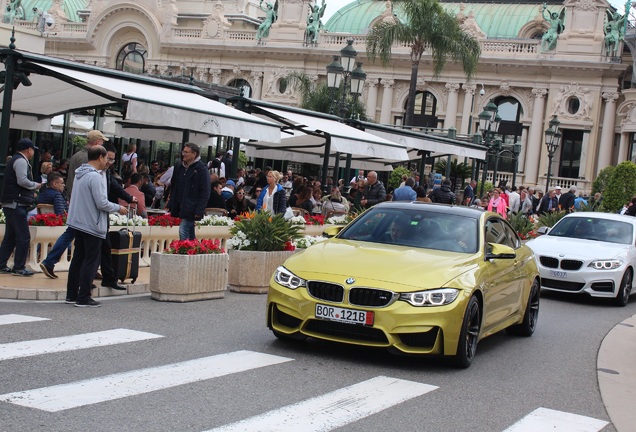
488, 125
552, 140
343, 68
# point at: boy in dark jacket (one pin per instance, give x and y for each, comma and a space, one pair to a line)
52, 194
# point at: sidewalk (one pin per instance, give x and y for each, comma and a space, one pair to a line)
40, 287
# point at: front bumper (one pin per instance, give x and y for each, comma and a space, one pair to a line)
596, 283
413, 330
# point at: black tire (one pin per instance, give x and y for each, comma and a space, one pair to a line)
531, 315
622, 297
469, 336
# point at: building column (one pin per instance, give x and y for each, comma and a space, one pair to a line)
216, 76
607, 135
387, 102
258, 84
451, 107
469, 95
622, 147
372, 98
535, 137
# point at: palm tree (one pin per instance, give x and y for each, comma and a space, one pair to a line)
427, 26
458, 171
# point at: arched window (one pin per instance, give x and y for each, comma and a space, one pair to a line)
240, 83
425, 113
132, 58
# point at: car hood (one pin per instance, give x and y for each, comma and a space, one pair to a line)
378, 265
576, 248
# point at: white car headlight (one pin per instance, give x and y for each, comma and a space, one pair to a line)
436, 297
605, 264
287, 279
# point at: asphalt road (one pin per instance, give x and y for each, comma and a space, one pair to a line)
510, 377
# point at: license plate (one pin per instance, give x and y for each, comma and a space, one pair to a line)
558, 274
349, 316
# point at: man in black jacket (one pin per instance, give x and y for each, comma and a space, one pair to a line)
374, 191
444, 194
566, 202
190, 190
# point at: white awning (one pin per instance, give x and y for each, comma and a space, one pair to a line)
151, 102
344, 139
416, 143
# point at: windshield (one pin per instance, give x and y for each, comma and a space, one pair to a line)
416, 228
588, 228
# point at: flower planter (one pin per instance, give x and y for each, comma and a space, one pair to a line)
250, 271
185, 278
41, 238
214, 232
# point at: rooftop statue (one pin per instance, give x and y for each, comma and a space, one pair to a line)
271, 14
614, 32
549, 39
314, 23
14, 10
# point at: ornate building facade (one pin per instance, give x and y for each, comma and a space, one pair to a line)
214, 41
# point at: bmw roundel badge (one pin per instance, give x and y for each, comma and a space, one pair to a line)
350, 281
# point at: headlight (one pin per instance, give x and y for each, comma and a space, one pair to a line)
437, 297
287, 279
605, 264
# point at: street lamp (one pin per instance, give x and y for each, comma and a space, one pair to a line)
552, 140
342, 68
489, 124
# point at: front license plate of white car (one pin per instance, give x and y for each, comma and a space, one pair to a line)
349, 316
558, 274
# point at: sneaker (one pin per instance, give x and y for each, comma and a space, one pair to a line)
6, 270
23, 272
48, 271
88, 303
69, 301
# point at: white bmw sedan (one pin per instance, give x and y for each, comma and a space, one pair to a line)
589, 253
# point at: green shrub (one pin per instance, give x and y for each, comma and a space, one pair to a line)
600, 184
551, 218
521, 224
621, 187
395, 178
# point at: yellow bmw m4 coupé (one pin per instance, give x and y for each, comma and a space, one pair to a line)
415, 278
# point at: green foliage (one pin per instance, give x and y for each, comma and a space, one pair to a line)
79, 142
395, 178
264, 232
600, 184
458, 171
320, 98
487, 187
521, 224
549, 219
242, 160
621, 187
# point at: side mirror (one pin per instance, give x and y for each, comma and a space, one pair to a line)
500, 251
543, 230
331, 231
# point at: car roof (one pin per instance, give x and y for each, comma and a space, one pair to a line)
437, 208
608, 216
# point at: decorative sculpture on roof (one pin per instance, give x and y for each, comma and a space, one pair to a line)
271, 14
614, 31
14, 10
555, 20
314, 23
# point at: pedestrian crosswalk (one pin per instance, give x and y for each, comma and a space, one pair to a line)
323, 412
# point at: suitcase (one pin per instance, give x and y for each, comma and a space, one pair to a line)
125, 250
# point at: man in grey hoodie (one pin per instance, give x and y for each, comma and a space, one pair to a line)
88, 217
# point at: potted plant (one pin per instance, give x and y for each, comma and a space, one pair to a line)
163, 230
189, 270
44, 230
214, 227
260, 242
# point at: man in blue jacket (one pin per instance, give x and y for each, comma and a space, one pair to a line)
88, 217
190, 190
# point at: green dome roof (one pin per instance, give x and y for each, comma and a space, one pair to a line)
70, 8
497, 20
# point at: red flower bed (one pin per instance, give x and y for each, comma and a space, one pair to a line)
163, 220
194, 247
49, 219
314, 220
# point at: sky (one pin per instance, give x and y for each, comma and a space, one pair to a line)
334, 5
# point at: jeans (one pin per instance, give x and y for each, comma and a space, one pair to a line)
86, 257
186, 230
16, 236
60, 247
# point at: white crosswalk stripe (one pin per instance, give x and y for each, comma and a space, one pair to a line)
87, 392
335, 409
69, 343
18, 319
543, 419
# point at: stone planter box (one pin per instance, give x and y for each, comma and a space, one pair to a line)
184, 278
250, 271
41, 238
